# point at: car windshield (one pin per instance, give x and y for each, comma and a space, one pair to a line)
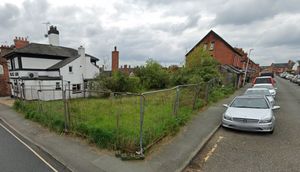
259, 103
258, 92
262, 80
264, 86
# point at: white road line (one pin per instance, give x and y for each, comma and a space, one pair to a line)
41, 158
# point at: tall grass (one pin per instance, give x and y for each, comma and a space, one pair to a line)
114, 123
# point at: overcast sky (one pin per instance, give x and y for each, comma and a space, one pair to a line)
160, 29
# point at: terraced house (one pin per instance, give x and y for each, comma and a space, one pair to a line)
34, 67
233, 60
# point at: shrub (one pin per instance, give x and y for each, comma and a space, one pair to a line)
153, 76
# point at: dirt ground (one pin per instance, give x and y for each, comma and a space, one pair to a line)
7, 101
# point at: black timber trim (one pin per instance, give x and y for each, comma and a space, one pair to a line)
34, 69
20, 62
40, 56
41, 78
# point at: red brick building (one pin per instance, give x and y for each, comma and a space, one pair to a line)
222, 51
225, 54
5, 87
4, 72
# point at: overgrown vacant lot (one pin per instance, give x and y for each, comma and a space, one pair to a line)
114, 123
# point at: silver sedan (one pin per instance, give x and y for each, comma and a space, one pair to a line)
250, 113
261, 91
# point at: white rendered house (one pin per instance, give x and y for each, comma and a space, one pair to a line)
50, 68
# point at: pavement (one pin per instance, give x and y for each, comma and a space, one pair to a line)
79, 155
231, 150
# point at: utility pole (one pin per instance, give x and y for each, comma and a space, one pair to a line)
246, 70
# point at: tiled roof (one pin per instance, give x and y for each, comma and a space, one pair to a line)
66, 54
280, 65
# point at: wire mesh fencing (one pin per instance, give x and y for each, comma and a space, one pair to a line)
127, 122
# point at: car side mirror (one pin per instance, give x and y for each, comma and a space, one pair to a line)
225, 105
275, 107
275, 88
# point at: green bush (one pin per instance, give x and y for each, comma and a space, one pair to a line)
153, 76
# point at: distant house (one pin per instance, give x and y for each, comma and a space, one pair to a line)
234, 59
279, 67
49, 67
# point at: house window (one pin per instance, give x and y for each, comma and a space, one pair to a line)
212, 45
70, 69
205, 46
85, 84
76, 88
12, 64
1, 70
57, 86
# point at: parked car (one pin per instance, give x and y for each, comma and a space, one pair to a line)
261, 91
295, 79
250, 113
271, 74
271, 88
298, 80
289, 76
283, 74
264, 80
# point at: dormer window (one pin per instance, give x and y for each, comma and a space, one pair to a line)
212, 45
70, 69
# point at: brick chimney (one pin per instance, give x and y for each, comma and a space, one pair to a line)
20, 42
115, 60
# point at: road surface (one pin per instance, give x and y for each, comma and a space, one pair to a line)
18, 154
230, 150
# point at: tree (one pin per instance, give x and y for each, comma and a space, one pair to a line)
201, 66
153, 76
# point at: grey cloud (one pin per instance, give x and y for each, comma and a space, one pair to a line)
245, 12
9, 14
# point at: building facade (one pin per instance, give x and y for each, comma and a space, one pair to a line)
51, 68
234, 59
4, 73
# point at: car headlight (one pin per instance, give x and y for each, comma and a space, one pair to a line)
268, 120
272, 92
225, 116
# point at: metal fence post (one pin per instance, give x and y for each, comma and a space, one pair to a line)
207, 91
65, 111
197, 91
142, 99
176, 103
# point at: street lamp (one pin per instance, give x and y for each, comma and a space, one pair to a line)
247, 66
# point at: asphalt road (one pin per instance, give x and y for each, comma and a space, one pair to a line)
230, 150
16, 154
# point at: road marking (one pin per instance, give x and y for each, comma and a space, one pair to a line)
209, 154
41, 158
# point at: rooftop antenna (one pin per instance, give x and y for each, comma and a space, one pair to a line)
47, 26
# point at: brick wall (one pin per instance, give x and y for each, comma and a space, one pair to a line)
221, 52
115, 60
4, 78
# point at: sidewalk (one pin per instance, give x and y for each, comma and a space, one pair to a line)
79, 155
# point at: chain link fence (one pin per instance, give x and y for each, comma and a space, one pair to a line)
129, 123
